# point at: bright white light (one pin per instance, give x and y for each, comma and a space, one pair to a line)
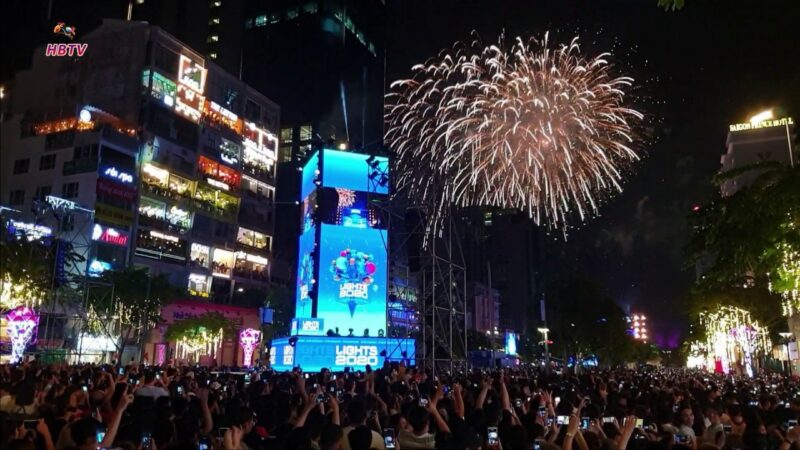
762, 116
85, 115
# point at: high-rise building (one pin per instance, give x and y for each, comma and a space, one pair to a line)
174, 156
323, 62
763, 138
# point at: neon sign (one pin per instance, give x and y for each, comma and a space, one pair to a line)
109, 235
218, 114
218, 184
191, 74
763, 124
31, 230
60, 203
166, 237
188, 103
263, 143
124, 177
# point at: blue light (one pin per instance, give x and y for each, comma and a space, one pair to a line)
511, 344
305, 274
313, 353
309, 175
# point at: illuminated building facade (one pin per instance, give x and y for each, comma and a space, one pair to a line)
175, 156
763, 138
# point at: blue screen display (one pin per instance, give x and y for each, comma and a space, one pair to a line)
305, 274
351, 171
511, 343
309, 174
315, 353
352, 281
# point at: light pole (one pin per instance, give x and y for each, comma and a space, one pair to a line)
786, 337
544, 332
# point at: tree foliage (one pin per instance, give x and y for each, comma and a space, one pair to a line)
193, 328
127, 302
746, 238
671, 5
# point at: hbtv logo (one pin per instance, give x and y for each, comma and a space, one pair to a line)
59, 49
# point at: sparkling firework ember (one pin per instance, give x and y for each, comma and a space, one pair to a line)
542, 130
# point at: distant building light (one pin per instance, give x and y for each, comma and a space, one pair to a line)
85, 116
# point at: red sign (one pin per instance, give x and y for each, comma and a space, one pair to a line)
109, 235
116, 190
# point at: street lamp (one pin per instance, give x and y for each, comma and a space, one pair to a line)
544, 332
786, 338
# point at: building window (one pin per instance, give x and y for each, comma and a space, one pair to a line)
213, 38
310, 7
252, 111
21, 166
305, 133
216, 3
261, 21
286, 135
69, 190
274, 17
16, 197
43, 191
214, 21
47, 162
85, 152
212, 55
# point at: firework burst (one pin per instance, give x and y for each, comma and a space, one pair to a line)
541, 129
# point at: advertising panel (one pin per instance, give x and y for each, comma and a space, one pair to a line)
315, 353
355, 171
305, 275
352, 284
116, 190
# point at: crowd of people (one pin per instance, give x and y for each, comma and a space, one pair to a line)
393, 407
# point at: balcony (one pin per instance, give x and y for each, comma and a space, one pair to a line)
162, 225
185, 199
259, 172
77, 166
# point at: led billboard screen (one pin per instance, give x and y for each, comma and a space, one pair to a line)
309, 174
305, 274
353, 171
352, 281
348, 208
313, 353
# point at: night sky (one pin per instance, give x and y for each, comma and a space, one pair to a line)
706, 66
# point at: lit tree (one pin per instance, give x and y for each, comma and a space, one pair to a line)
751, 239
128, 305
195, 334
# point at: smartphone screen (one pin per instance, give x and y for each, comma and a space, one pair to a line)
204, 444
101, 434
491, 434
639, 423
585, 423
388, 438
608, 420
562, 420
146, 441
